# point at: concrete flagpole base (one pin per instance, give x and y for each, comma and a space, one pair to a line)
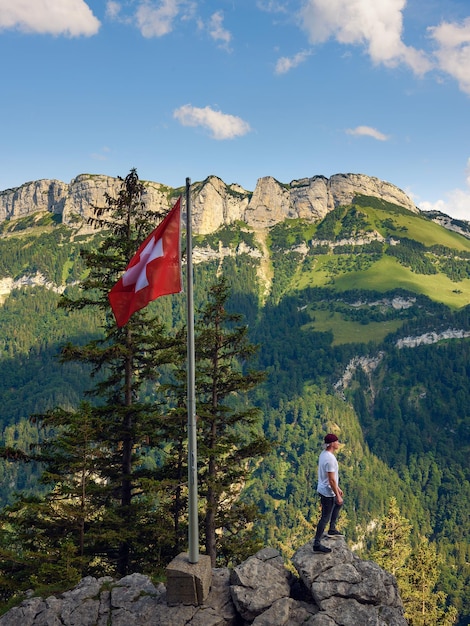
188, 583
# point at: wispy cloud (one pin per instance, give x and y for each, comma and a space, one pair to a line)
113, 9
154, 18
285, 64
156, 21
221, 125
71, 18
453, 50
102, 155
217, 31
273, 6
367, 131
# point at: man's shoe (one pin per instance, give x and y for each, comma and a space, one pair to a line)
320, 548
334, 533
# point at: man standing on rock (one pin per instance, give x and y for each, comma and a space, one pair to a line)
330, 493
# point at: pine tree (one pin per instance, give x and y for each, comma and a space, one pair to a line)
393, 542
44, 538
229, 434
417, 571
105, 505
424, 604
173, 469
124, 362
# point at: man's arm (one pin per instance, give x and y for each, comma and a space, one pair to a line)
336, 490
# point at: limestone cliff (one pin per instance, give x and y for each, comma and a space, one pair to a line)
214, 202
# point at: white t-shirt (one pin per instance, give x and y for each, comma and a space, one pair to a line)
326, 463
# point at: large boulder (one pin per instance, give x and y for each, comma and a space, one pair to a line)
347, 589
258, 582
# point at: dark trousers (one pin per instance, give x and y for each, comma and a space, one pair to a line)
329, 513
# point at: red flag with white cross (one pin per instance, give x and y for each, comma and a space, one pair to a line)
154, 270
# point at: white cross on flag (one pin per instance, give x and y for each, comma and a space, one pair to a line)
154, 270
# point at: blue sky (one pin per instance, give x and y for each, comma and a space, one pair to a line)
240, 89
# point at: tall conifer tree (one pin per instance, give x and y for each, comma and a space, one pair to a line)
229, 432
104, 500
123, 362
424, 603
393, 541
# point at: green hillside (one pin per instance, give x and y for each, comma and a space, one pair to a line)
382, 276
393, 221
345, 288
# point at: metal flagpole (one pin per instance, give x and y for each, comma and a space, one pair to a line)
193, 531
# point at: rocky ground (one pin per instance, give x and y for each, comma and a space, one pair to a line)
335, 589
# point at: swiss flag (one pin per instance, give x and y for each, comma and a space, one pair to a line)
154, 270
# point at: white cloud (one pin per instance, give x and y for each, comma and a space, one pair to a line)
156, 21
453, 51
367, 131
103, 155
218, 32
376, 25
154, 18
272, 6
72, 18
285, 64
113, 9
221, 125
456, 203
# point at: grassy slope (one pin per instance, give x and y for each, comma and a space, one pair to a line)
418, 228
388, 274
382, 275
346, 331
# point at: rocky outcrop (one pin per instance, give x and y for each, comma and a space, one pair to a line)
459, 226
312, 198
367, 364
86, 192
335, 589
432, 337
37, 280
343, 187
348, 590
214, 203
40, 195
258, 583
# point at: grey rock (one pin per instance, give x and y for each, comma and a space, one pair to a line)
322, 619
33, 197
220, 598
349, 590
256, 584
214, 203
287, 612
23, 614
335, 589
348, 612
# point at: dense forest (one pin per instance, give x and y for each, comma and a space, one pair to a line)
328, 324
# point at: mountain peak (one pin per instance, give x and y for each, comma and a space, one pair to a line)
215, 203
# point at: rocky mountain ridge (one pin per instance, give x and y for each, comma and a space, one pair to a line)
335, 589
459, 226
214, 203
